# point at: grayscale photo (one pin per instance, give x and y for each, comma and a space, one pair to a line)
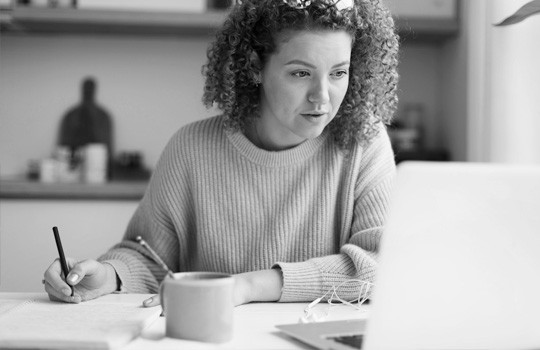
269, 174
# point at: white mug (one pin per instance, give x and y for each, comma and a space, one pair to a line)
95, 163
48, 170
198, 306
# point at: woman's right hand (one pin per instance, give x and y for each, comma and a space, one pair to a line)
88, 279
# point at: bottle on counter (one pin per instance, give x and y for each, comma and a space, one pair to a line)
85, 124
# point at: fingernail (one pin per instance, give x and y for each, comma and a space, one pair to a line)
66, 291
73, 278
148, 301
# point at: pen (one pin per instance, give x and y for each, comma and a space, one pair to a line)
63, 262
155, 257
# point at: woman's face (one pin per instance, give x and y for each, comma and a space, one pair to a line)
303, 85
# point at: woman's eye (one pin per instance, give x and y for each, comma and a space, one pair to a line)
340, 74
301, 74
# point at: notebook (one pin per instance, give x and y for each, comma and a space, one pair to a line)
104, 323
459, 261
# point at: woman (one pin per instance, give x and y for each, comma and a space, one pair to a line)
288, 188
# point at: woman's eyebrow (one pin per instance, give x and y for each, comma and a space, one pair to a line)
300, 62
344, 63
307, 64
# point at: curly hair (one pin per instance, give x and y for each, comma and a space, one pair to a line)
248, 37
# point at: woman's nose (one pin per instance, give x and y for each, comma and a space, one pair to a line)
319, 92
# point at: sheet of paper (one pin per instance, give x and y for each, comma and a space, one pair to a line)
103, 323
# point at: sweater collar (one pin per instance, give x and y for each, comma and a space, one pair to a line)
290, 156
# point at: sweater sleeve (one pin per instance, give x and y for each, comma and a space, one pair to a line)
137, 271
357, 258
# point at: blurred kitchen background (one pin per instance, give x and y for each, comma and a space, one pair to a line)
469, 91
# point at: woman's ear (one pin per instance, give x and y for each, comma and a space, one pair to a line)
255, 61
256, 68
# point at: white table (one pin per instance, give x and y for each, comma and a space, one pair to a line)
254, 326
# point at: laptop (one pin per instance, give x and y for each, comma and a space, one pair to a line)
459, 265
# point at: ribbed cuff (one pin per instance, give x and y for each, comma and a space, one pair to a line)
122, 273
301, 281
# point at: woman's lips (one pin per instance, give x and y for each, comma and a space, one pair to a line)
314, 114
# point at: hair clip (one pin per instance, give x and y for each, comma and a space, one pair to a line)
344, 4
302, 4
298, 4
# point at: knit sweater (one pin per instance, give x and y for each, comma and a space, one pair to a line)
216, 202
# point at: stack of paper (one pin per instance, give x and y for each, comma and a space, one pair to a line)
104, 323
145, 5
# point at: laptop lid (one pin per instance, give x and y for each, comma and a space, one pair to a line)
328, 335
460, 259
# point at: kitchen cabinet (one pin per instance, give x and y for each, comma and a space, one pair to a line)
91, 218
88, 228
87, 21
439, 22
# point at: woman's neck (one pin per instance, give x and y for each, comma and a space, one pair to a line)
261, 139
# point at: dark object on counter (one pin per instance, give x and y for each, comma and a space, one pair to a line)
33, 170
129, 166
87, 123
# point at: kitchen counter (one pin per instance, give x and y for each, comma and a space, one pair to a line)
114, 190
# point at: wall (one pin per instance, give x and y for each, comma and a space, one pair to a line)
504, 102
514, 90
150, 86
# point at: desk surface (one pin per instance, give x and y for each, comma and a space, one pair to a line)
254, 326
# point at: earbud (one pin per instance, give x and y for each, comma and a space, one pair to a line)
311, 317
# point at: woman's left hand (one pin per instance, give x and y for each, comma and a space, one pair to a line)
263, 285
242, 289
152, 301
